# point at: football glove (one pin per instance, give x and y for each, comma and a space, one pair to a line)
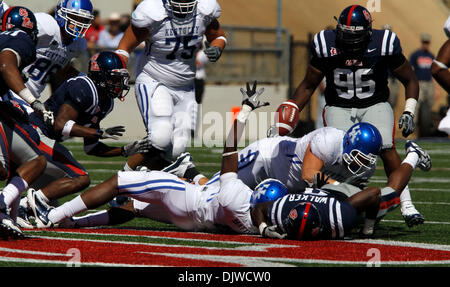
406, 123
47, 116
139, 146
250, 97
213, 53
272, 132
320, 179
271, 232
111, 133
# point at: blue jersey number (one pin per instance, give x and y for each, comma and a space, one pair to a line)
189, 50
41, 69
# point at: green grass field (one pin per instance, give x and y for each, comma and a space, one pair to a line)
429, 190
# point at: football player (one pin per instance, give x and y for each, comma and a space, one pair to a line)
348, 158
189, 206
316, 214
173, 32
3, 8
355, 59
21, 161
440, 72
79, 105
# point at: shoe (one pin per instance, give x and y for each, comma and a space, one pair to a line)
180, 165
119, 201
411, 216
8, 228
24, 220
424, 159
40, 209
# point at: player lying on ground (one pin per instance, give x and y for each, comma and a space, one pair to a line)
190, 207
316, 214
349, 158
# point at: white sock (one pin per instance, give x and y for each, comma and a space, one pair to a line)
13, 190
92, 220
412, 159
405, 197
126, 167
369, 225
67, 210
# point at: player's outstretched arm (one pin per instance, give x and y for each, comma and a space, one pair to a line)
250, 102
439, 68
407, 77
132, 37
216, 39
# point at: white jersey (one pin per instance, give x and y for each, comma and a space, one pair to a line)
282, 157
51, 54
163, 196
171, 48
3, 8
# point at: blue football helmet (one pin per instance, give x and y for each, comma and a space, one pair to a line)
362, 144
354, 30
20, 18
75, 16
181, 10
108, 71
268, 190
303, 222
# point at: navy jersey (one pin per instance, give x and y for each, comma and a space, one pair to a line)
338, 217
22, 45
81, 94
357, 83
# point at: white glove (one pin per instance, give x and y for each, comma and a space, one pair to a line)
47, 116
270, 231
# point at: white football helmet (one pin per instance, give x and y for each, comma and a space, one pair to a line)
181, 10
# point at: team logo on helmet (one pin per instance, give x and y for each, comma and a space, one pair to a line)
94, 65
293, 214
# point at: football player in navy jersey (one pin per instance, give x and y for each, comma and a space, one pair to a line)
79, 105
21, 161
355, 59
318, 214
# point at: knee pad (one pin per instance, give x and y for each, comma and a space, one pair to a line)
161, 131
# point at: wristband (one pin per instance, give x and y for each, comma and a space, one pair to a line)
410, 105
67, 128
122, 53
261, 227
244, 113
440, 64
27, 96
229, 153
221, 38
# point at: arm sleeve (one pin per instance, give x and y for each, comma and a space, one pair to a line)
80, 96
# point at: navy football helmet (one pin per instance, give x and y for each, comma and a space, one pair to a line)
268, 190
75, 16
303, 222
20, 18
354, 30
362, 144
181, 10
108, 71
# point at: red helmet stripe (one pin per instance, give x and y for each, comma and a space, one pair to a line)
5, 17
304, 219
349, 17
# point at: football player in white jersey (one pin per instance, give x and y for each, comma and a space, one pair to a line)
173, 32
348, 158
60, 39
3, 8
189, 206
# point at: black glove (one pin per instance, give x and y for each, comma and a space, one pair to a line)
406, 122
213, 53
320, 179
250, 97
140, 146
41, 111
111, 133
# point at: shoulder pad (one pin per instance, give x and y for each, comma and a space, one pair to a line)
209, 8
327, 144
148, 12
387, 42
83, 92
47, 25
324, 44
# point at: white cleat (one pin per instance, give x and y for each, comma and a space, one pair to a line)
180, 165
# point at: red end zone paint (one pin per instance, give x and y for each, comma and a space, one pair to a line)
152, 254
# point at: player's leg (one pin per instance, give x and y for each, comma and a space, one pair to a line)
183, 120
340, 118
382, 116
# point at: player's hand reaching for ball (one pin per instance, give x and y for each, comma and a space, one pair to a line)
250, 96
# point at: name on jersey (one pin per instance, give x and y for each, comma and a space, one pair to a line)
55, 56
308, 197
181, 31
